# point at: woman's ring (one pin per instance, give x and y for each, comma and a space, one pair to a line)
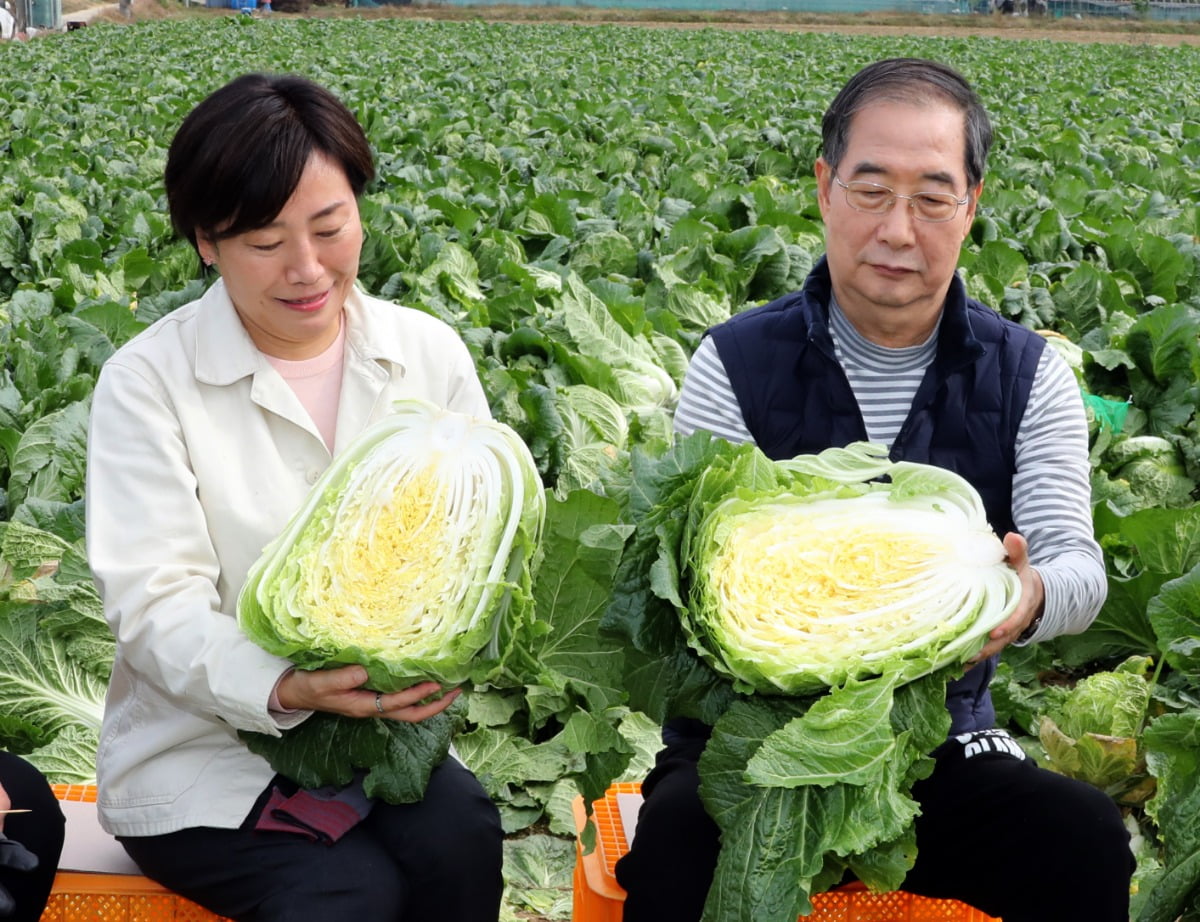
379, 702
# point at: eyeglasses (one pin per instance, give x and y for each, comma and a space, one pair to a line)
872, 198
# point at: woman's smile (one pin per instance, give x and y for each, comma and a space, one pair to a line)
308, 303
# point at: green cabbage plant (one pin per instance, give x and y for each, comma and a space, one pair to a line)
1144, 471
1093, 733
812, 612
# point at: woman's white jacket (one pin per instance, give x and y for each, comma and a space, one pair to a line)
198, 454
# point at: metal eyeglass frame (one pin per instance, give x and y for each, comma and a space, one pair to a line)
890, 202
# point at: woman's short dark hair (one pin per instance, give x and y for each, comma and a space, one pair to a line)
238, 156
914, 81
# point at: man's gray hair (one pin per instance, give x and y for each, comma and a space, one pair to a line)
914, 81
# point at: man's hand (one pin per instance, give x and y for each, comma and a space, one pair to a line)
1033, 599
340, 691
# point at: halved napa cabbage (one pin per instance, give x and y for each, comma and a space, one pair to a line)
411, 555
796, 590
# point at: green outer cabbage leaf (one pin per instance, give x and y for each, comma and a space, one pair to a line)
1172, 744
1091, 732
56, 652
552, 716
785, 837
395, 759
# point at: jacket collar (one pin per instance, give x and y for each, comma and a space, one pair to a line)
957, 343
225, 352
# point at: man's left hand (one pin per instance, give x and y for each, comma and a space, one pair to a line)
1033, 598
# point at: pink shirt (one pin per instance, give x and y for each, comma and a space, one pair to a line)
317, 382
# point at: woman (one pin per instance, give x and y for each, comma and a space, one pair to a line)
207, 431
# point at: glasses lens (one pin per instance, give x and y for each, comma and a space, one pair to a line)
868, 197
935, 206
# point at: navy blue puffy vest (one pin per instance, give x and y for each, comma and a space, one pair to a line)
795, 399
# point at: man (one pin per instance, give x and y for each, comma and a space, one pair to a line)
883, 344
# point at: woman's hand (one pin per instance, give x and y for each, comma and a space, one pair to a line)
340, 691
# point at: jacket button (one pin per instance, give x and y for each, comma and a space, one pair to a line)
313, 476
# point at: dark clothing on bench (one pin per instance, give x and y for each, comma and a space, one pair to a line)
41, 831
436, 859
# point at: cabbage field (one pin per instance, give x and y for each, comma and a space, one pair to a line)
581, 203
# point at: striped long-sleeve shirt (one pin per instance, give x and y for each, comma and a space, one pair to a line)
1051, 487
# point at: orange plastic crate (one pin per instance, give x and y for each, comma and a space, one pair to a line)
82, 897
599, 898
82, 793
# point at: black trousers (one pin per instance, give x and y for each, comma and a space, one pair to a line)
437, 859
40, 831
995, 831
